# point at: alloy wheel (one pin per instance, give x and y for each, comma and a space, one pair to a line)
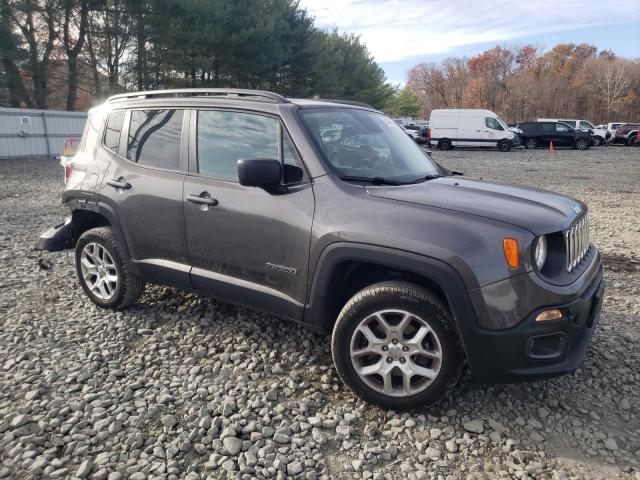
396, 353
99, 271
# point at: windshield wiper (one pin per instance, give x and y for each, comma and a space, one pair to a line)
426, 178
373, 180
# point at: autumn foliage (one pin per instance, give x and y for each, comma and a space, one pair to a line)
569, 80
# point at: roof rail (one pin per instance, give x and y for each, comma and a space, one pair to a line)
237, 93
347, 102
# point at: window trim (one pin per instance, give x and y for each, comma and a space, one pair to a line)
193, 145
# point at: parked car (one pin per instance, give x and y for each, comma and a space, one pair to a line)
611, 128
598, 136
242, 195
420, 136
536, 134
415, 135
469, 128
627, 134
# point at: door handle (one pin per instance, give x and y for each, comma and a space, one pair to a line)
119, 183
204, 200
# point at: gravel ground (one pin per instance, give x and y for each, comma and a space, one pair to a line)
180, 386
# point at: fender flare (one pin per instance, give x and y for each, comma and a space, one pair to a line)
317, 312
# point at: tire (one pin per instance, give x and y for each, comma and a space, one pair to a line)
597, 141
582, 144
504, 146
631, 141
100, 256
531, 143
420, 308
444, 144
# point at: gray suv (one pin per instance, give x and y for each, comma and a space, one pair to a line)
328, 214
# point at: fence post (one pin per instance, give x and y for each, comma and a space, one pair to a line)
46, 133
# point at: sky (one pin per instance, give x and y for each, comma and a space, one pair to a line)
402, 33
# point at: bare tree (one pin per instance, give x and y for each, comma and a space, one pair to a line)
75, 14
38, 21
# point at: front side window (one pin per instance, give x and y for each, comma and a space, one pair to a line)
223, 138
568, 122
561, 127
154, 138
363, 143
587, 125
492, 123
112, 131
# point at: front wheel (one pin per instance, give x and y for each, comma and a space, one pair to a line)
394, 345
582, 144
531, 143
597, 141
504, 146
102, 270
631, 141
444, 144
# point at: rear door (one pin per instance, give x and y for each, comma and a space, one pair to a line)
564, 134
247, 245
143, 185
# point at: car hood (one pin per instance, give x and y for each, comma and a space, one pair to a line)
538, 211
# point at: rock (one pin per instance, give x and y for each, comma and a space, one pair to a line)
281, 438
610, 444
84, 469
19, 420
474, 426
451, 446
232, 445
433, 453
169, 421
294, 468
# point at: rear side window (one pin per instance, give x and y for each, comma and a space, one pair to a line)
91, 135
223, 138
492, 123
548, 127
154, 138
112, 132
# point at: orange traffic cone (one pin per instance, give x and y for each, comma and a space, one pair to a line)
551, 147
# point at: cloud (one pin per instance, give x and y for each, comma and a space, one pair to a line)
395, 30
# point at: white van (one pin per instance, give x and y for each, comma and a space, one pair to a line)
599, 136
457, 127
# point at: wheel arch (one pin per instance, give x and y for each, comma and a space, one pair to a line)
345, 268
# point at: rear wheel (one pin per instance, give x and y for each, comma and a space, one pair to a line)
444, 144
394, 345
504, 146
102, 270
597, 141
582, 144
531, 143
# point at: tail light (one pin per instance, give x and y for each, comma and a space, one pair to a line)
428, 133
67, 172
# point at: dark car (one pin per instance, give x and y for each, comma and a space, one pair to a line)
627, 134
537, 134
329, 215
422, 132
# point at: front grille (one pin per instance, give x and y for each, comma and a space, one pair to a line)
576, 241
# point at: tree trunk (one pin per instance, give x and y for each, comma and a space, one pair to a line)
17, 92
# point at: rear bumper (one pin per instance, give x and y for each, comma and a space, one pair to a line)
536, 350
56, 238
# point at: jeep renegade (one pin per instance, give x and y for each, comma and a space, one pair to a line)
328, 214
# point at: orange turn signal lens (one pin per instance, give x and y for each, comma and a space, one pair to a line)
510, 247
554, 314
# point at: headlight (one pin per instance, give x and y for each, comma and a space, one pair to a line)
540, 253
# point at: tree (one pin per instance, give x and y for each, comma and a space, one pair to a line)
75, 13
11, 55
403, 104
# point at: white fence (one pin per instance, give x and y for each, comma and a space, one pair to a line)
37, 133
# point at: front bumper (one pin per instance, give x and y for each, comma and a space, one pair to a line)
535, 350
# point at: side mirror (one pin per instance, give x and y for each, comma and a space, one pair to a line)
259, 172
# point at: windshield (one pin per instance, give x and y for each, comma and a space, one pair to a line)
502, 122
361, 143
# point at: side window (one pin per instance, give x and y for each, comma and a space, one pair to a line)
113, 129
293, 168
561, 127
548, 127
492, 123
568, 122
154, 138
584, 124
223, 138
